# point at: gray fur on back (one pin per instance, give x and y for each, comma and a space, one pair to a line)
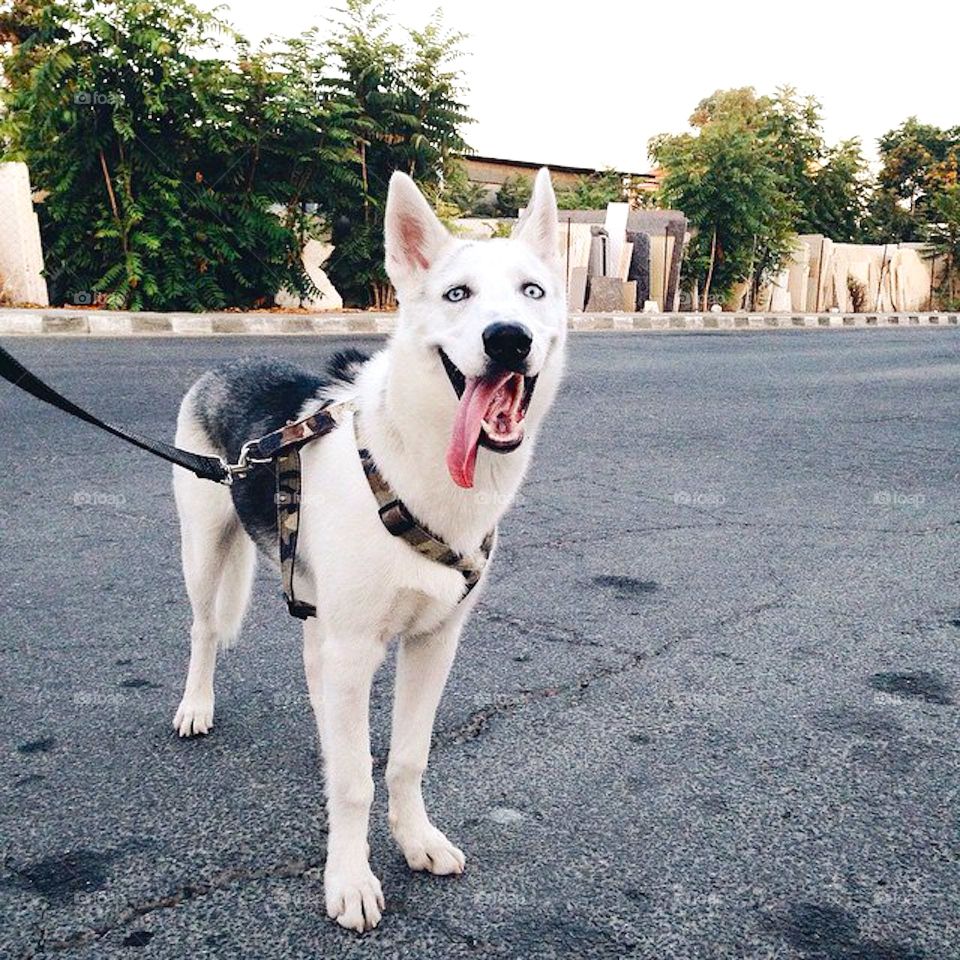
246, 399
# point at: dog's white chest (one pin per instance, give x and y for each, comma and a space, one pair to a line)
414, 614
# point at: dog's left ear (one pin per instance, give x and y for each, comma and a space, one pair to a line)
537, 226
413, 236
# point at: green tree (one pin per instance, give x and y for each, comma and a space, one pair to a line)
402, 104
827, 185
918, 162
943, 235
177, 172
837, 203
592, 192
458, 196
173, 176
723, 178
514, 193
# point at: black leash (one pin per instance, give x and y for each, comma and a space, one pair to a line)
281, 448
206, 468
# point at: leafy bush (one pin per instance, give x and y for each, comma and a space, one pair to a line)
176, 174
513, 194
592, 192
402, 105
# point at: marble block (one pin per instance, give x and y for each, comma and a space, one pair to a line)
639, 269
626, 255
21, 252
315, 255
599, 254
661, 256
605, 295
616, 226
577, 290
575, 241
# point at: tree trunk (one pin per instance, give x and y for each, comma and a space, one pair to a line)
713, 258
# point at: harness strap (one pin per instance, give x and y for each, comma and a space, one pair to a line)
206, 468
288, 525
398, 520
283, 448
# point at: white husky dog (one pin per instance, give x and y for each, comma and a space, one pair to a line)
475, 361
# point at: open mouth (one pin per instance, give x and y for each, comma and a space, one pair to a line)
490, 414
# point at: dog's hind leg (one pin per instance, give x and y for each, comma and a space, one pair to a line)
423, 664
218, 562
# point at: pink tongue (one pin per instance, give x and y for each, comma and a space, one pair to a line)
462, 451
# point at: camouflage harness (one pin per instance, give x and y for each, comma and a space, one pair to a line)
283, 448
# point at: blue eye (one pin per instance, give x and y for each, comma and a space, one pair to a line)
533, 290
456, 294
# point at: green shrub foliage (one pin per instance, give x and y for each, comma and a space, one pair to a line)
180, 168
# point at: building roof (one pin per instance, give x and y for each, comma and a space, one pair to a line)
558, 167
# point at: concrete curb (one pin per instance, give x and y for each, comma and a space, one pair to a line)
103, 323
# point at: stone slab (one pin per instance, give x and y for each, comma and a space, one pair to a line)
616, 226
639, 269
21, 252
577, 294
605, 295
599, 255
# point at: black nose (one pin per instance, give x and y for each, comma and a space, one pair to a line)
508, 344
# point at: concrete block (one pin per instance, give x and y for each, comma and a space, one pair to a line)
358, 323
109, 325
65, 323
186, 325
13, 323
151, 323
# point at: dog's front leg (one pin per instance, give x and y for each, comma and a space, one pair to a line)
423, 664
339, 673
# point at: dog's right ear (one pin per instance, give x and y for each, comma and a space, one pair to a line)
413, 236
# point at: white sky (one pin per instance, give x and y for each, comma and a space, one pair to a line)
588, 83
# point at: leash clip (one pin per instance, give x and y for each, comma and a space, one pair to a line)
245, 463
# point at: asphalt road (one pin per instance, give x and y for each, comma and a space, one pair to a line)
708, 708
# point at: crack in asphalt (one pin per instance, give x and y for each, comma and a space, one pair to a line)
292, 869
478, 722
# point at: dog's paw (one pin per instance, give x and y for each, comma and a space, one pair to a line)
194, 716
426, 848
353, 895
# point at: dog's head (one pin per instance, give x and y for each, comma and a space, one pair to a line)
489, 316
